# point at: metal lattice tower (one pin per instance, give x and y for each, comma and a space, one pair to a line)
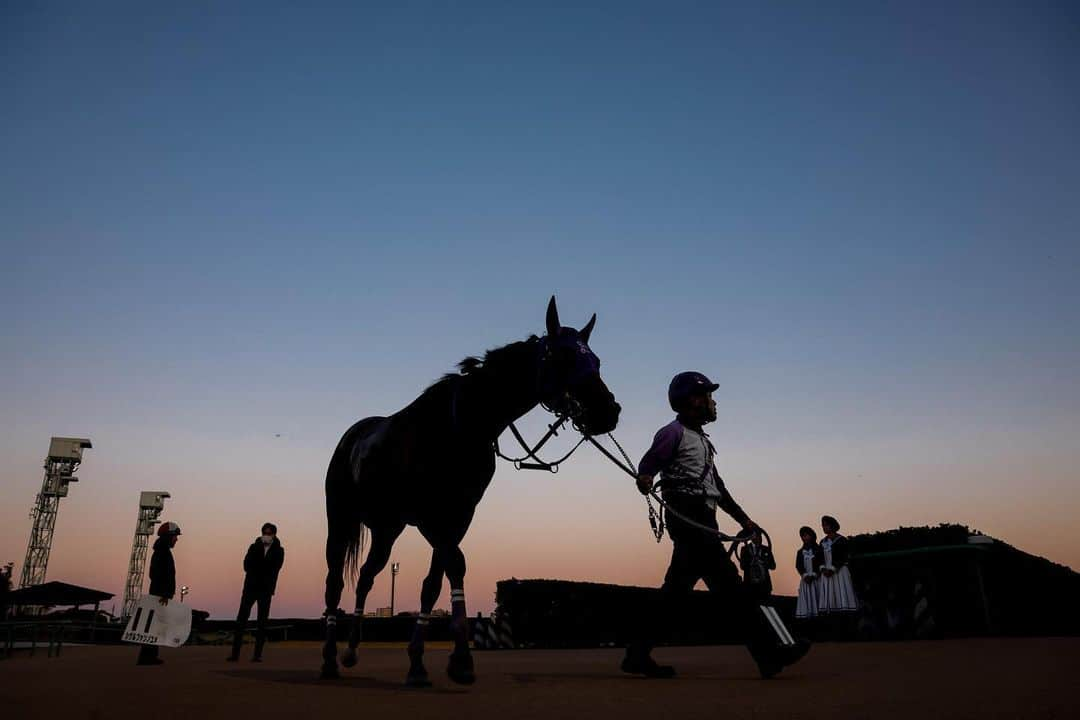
63, 459
151, 503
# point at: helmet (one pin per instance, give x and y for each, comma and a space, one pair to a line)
686, 384
168, 528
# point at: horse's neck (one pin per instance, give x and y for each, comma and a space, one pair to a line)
496, 399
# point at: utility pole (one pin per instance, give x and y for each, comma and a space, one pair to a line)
393, 582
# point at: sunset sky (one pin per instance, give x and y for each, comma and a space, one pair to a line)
224, 224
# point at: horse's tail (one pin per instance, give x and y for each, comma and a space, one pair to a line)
344, 530
354, 549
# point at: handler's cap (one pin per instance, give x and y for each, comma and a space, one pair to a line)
168, 528
686, 384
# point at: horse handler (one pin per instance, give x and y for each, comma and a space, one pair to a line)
692, 488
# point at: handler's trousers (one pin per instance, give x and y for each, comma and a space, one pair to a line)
698, 555
246, 602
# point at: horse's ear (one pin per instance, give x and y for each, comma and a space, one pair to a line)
586, 331
553, 325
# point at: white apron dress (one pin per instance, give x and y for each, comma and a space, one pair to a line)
836, 594
807, 604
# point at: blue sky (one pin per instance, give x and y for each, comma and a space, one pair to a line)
860, 218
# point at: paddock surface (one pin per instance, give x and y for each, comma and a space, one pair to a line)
984, 678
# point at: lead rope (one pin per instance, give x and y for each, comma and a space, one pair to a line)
656, 517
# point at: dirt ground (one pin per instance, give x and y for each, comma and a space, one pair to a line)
986, 678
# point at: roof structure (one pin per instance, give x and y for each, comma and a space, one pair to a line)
57, 593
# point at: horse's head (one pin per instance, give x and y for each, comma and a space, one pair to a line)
570, 380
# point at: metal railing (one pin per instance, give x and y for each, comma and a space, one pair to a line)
24, 634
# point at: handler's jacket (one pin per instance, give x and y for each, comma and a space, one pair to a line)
684, 458
162, 570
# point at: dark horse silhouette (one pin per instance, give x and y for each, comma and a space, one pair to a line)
428, 465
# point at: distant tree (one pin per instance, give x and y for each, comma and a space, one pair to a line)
909, 538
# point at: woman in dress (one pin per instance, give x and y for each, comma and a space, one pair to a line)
808, 561
836, 592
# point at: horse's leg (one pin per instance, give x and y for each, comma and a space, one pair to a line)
460, 668
429, 595
336, 546
382, 542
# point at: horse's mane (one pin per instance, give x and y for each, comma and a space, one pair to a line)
493, 362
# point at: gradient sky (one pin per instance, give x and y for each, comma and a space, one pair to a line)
220, 224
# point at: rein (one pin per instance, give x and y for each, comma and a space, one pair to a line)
522, 463
656, 516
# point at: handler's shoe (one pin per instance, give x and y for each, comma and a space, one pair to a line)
232, 658
645, 665
771, 663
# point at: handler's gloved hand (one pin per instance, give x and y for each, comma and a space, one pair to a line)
644, 484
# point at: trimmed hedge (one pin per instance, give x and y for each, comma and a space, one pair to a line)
564, 614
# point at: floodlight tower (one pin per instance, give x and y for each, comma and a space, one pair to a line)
151, 503
64, 457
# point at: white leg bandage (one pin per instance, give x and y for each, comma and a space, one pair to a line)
777, 625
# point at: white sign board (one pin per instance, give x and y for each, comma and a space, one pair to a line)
157, 624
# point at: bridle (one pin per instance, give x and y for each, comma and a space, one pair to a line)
559, 403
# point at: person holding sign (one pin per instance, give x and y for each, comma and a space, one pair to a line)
162, 581
261, 567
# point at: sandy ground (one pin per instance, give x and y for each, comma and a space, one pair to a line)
986, 678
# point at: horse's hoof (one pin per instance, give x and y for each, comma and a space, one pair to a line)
348, 658
417, 680
461, 677
460, 669
329, 673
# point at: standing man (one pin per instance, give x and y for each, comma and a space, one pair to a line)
261, 567
692, 489
162, 581
756, 560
